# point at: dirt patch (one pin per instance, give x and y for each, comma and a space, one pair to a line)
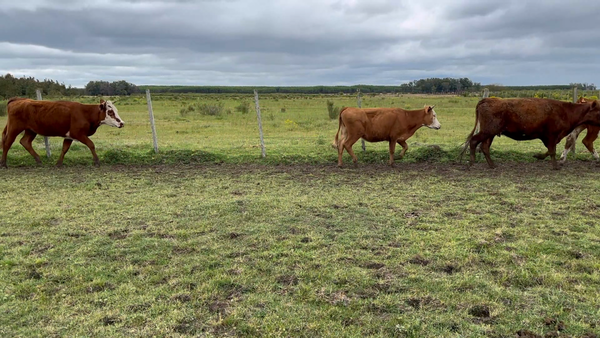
218, 306
419, 260
183, 298
178, 250
139, 307
449, 269
373, 265
119, 234
110, 320
288, 280
234, 235
100, 287
527, 334
480, 311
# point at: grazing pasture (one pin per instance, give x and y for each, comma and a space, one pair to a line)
208, 239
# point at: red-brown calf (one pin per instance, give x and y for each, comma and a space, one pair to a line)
528, 119
394, 125
71, 120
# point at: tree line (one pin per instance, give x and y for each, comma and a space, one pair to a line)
423, 86
11, 86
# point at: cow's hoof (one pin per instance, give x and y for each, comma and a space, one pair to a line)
59, 165
539, 156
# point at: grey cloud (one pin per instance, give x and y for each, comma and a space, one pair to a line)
251, 42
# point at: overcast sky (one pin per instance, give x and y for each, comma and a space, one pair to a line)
301, 42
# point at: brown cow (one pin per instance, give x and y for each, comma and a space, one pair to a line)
394, 125
528, 119
588, 140
71, 120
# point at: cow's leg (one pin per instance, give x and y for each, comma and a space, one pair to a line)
8, 140
26, 141
475, 140
349, 142
392, 150
66, 145
551, 145
86, 140
485, 148
588, 141
404, 147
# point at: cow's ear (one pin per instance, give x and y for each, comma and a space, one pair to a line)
595, 104
102, 105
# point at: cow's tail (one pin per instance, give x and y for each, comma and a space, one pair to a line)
4, 134
465, 146
341, 128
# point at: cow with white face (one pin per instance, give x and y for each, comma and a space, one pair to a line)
70, 120
112, 117
431, 120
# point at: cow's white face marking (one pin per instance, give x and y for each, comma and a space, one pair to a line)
112, 115
435, 124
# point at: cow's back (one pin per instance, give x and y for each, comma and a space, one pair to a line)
372, 124
48, 118
518, 116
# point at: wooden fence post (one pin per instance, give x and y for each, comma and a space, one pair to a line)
486, 93
38, 94
260, 130
151, 113
359, 104
574, 94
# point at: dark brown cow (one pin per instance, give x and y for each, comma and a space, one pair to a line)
588, 140
71, 120
528, 119
394, 125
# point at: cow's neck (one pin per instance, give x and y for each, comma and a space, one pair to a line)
414, 120
576, 117
96, 118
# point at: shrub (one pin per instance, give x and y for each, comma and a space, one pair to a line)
243, 107
333, 111
203, 109
3, 108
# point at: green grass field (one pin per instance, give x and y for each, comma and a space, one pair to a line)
206, 238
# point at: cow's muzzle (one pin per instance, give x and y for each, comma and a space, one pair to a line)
121, 125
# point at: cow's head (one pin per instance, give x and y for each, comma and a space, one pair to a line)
431, 120
593, 114
112, 117
583, 100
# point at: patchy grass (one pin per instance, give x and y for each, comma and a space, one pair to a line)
421, 250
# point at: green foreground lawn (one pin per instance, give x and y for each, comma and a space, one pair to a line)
422, 250
206, 238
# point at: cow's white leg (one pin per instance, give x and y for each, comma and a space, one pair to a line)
563, 156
